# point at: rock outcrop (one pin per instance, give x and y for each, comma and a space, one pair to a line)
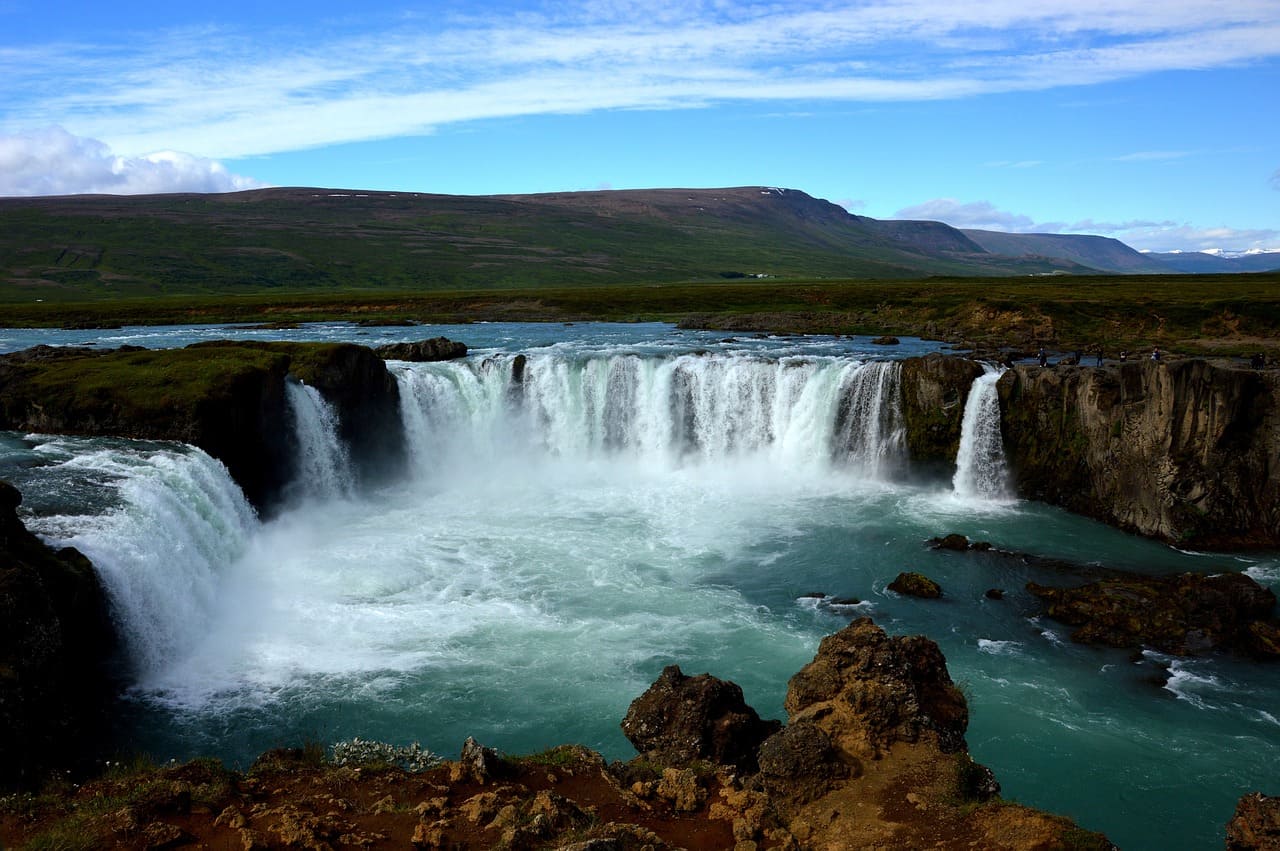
1187, 451
1184, 614
434, 349
934, 389
55, 643
914, 584
682, 719
1255, 825
227, 398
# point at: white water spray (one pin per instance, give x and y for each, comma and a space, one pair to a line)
981, 470
656, 411
162, 551
323, 464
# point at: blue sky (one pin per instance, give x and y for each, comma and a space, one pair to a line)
1156, 123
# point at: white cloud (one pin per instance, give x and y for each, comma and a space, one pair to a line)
1151, 156
1141, 234
233, 94
54, 162
980, 215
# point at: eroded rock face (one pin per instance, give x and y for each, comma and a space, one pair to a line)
867, 690
1182, 615
680, 719
55, 640
934, 389
1255, 825
435, 349
1181, 450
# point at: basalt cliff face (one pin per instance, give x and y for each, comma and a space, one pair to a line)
1187, 451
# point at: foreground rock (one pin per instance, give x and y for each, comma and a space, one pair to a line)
435, 349
1182, 615
55, 640
873, 757
1177, 450
229, 399
682, 719
1255, 825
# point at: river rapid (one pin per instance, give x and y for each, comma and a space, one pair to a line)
642, 496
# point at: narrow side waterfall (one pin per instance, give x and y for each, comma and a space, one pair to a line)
177, 522
323, 464
805, 412
981, 470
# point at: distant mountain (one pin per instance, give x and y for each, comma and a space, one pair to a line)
1097, 252
1198, 262
318, 239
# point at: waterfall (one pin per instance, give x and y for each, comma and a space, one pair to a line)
872, 437
178, 520
981, 471
663, 410
323, 465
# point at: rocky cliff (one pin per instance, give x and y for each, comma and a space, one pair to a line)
55, 639
227, 398
1187, 451
934, 389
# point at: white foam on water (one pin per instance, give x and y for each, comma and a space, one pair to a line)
999, 648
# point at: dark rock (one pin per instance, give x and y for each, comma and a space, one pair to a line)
1255, 825
479, 763
435, 349
916, 585
1175, 450
387, 323
1182, 615
799, 763
959, 543
867, 691
680, 719
56, 641
974, 781
995, 594
886, 340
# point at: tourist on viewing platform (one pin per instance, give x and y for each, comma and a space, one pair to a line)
1044, 359
1155, 353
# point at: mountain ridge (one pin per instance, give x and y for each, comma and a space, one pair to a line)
316, 239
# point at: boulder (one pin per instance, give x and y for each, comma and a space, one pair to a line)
916, 585
435, 349
681, 719
886, 340
799, 763
1181, 615
867, 691
1255, 825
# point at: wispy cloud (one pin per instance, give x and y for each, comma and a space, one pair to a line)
1142, 234
1151, 156
53, 162
226, 93
1014, 164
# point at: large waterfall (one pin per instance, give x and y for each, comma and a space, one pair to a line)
802, 412
981, 471
575, 518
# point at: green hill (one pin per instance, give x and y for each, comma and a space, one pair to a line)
78, 247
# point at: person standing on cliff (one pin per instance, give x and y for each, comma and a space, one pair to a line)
1044, 359
1155, 353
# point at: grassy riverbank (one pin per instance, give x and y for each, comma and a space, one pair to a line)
1223, 314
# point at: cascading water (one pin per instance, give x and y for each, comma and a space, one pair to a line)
175, 523
577, 518
664, 411
981, 470
323, 464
